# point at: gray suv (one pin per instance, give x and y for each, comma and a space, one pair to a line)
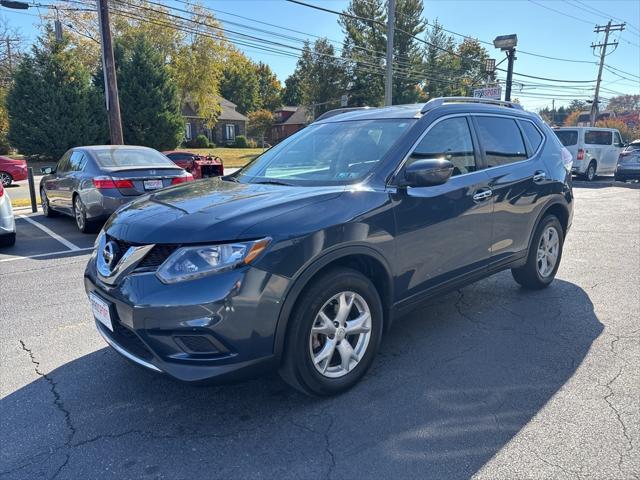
302, 260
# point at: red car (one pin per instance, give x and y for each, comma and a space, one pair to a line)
199, 166
12, 170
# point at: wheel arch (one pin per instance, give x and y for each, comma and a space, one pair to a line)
362, 258
557, 208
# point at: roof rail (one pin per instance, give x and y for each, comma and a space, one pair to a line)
338, 111
437, 102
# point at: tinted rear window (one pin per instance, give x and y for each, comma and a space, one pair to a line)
567, 137
597, 137
532, 134
133, 157
501, 139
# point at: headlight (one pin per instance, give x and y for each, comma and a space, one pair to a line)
188, 263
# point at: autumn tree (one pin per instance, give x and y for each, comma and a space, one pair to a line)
269, 87
239, 82
624, 103
572, 119
260, 123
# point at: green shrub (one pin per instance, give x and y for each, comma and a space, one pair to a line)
201, 141
251, 143
241, 141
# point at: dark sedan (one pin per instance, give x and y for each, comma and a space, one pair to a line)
628, 166
90, 183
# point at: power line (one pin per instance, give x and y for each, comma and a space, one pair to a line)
561, 13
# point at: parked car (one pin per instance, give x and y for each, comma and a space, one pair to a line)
200, 166
12, 170
7, 220
301, 260
595, 150
628, 166
90, 183
632, 146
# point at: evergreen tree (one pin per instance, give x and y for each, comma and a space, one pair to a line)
239, 83
51, 104
149, 100
269, 87
292, 94
408, 52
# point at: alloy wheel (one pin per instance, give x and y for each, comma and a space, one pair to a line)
340, 334
78, 212
5, 179
548, 250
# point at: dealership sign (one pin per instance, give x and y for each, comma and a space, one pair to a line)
491, 92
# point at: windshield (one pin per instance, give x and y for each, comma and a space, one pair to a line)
327, 153
567, 137
131, 157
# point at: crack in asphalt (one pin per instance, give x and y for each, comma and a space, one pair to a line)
57, 399
555, 465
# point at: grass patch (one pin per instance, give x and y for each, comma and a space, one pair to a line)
23, 202
231, 157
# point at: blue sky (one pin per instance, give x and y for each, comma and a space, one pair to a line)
557, 28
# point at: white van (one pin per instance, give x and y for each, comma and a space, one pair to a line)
595, 150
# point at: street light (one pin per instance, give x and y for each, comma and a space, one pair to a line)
13, 4
507, 43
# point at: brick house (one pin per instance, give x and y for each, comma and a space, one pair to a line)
287, 121
230, 123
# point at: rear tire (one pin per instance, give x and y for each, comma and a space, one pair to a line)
332, 360
80, 215
8, 240
6, 179
590, 174
546, 245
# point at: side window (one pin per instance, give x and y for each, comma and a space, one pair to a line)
501, 140
533, 135
63, 163
597, 137
449, 139
617, 141
76, 161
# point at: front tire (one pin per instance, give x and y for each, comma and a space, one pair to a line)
544, 255
333, 334
44, 203
80, 215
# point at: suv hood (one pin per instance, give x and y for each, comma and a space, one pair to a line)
210, 210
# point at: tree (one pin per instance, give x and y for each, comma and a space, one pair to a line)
577, 106
149, 101
322, 77
363, 50
260, 123
239, 83
624, 103
4, 122
51, 104
269, 87
292, 94
572, 119
439, 62
628, 134
407, 52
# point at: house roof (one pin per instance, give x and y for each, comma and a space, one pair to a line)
287, 109
228, 110
299, 117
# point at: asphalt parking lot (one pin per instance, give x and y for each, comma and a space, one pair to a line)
489, 382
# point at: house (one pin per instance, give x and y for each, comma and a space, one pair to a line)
230, 123
287, 121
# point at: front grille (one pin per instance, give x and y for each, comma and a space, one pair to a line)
130, 341
151, 261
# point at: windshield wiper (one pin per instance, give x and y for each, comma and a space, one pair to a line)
273, 182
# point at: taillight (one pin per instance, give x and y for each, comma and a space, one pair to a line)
1, 190
580, 154
567, 159
102, 183
184, 178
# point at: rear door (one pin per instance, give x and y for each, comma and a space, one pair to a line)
69, 181
54, 184
516, 179
443, 231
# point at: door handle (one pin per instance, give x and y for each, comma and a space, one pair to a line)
483, 195
539, 177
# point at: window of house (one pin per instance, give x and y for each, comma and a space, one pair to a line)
597, 137
231, 131
501, 139
449, 139
187, 131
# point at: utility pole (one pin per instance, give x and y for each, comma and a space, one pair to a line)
388, 84
109, 69
511, 56
603, 53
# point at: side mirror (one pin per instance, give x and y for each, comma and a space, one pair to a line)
47, 170
426, 173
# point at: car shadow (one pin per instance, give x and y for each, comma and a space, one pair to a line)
605, 183
455, 381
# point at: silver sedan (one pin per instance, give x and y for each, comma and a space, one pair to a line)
90, 183
7, 221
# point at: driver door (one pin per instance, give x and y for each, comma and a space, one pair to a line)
443, 232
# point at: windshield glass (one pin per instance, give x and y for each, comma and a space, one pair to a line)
131, 157
567, 137
327, 153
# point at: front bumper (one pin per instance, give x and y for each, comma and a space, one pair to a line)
220, 327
